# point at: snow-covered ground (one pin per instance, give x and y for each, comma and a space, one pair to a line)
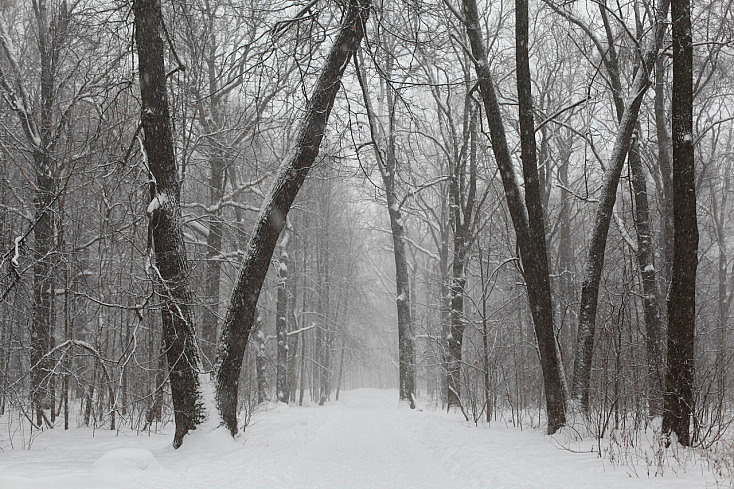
363, 441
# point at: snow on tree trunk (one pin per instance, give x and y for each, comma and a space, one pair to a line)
281, 322
240, 314
171, 269
261, 360
653, 325
597, 242
679, 397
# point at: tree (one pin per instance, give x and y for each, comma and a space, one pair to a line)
281, 321
679, 396
291, 175
598, 240
527, 223
384, 146
171, 266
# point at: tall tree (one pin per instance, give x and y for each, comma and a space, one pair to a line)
534, 259
682, 296
171, 268
291, 175
384, 146
598, 240
42, 126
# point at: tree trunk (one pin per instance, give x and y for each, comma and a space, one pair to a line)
240, 315
597, 242
171, 265
281, 322
213, 270
682, 296
388, 166
43, 282
537, 286
653, 325
261, 361
665, 165
457, 320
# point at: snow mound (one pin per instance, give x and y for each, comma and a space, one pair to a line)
127, 461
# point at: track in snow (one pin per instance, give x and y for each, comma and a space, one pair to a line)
363, 441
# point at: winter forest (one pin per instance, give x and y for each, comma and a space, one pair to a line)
366, 243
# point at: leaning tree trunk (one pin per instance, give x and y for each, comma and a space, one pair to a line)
682, 295
240, 315
171, 267
598, 240
538, 283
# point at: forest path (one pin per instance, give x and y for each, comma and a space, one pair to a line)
366, 440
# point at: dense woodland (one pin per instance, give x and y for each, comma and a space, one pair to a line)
210, 204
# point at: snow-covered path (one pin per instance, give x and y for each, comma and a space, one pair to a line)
363, 441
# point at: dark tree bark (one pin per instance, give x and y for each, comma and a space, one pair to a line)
597, 242
535, 272
653, 323
240, 315
682, 296
43, 279
171, 266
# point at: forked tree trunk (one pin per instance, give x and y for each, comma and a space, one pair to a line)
534, 261
171, 267
597, 242
644, 251
682, 296
240, 315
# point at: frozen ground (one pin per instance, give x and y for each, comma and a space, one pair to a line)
363, 441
